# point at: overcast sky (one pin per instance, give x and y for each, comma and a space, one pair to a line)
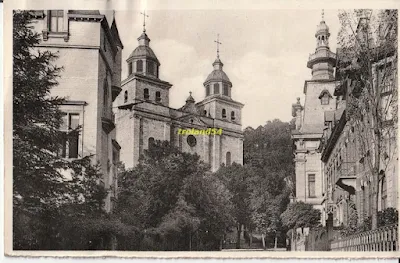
264, 52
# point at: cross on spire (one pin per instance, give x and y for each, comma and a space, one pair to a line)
218, 43
144, 20
322, 14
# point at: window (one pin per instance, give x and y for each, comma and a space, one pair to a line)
158, 96
216, 88
207, 90
146, 94
104, 42
126, 96
226, 90
151, 142
191, 140
233, 116
105, 95
384, 193
223, 113
150, 67
228, 158
130, 68
56, 20
70, 140
325, 99
205, 113
311, 185
139, 66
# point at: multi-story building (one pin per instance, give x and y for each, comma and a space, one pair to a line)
89, 50
348, 145
310, 120
144, 114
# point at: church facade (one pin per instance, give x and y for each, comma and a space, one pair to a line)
310, 120
144, 116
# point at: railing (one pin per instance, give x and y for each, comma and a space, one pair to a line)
381, 239
322, 54
346, 170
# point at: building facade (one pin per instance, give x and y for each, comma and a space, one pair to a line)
89, 50
348, 148
309, 119
144, 115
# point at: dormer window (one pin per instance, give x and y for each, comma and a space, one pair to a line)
216, 88
158, 96
223, 113
205, 113
233, 116
226, 90
146, 94
126, 96
139, 66
324, 97
207, 90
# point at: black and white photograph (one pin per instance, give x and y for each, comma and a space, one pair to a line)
155, 128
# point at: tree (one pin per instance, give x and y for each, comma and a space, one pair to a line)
236, 178
54, 200
300, 214
172, 197
268, 153
368, 62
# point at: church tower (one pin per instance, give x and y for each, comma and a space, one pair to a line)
310, 120
226, 114
143, 115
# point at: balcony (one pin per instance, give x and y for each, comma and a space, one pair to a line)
108, 120
346, 177
321, 55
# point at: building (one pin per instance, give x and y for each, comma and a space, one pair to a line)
144, 115
347, 147
89, 51
309, 120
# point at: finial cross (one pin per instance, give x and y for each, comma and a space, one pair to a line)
322, 14
190, 93
144, 20
218, 43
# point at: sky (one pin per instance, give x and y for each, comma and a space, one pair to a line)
264, 52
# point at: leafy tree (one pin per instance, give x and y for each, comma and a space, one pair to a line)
236, 178
300, 214
368, 60
173, 198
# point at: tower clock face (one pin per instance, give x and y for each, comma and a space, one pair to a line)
191, 140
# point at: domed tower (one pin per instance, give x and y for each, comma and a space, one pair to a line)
143, 60
218, 102
323, 60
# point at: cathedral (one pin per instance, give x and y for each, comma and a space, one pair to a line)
143, 114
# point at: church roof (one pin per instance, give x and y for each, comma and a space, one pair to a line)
144, 51
217, 75
322, 28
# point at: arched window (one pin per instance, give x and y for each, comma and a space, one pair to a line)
139, 66
233, 115
130, 68
228, 158
384, 193
207, 90
226, 89
325, 99
151, 142
205, 113
146, 94
158, 96
125, 96
150, 67
223, 113
216, 88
